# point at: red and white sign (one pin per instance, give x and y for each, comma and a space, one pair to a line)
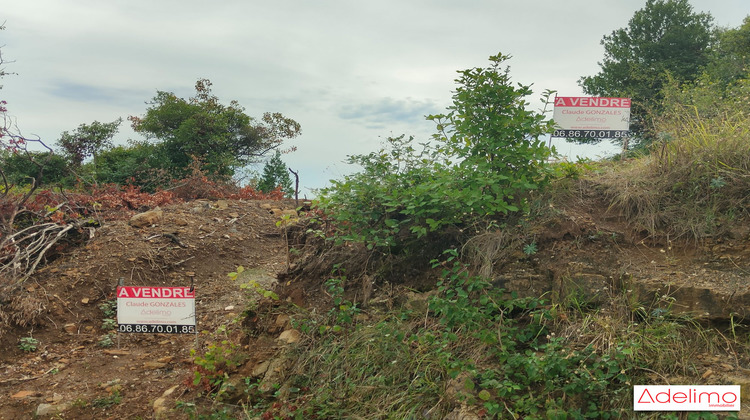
591, 117
150, 309
686, 398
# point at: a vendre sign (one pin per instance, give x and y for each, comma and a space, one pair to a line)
591, 117
148, 309
686, 398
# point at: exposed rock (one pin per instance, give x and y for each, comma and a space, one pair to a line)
154, 365
260, 369
200, 207
418, 301
289, 212
290, 336
275, 373
705, 294
45, 409
116, 352
462, 413
160, 404
221, 204
148, 218
456, 389
24, 394
282, 321
55, 398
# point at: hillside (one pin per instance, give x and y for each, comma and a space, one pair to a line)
587, 258
72, 372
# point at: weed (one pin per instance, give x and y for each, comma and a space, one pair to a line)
530, 249
212, 368
343, 311
106, 341
80, 403
28, 344
113, 398
252, 284
109, 324
109, 310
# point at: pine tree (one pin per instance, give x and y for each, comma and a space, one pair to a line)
275, 173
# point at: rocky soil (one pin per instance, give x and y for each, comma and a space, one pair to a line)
73, 375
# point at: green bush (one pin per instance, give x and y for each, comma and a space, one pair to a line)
134, 164
476, 346
479, 167
19, 169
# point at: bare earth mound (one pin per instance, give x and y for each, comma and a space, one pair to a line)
71, 372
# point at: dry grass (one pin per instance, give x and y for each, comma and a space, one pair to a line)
695, 182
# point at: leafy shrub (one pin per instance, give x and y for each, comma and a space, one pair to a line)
476, 346
19, 170
137, 164
28, 344
484, 159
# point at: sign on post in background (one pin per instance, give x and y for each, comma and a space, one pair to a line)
146, 309
591, 117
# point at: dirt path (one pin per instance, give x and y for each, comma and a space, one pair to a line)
77, 372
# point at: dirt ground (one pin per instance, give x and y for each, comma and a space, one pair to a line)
71, 373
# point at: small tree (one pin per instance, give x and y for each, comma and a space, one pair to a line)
221, 136
88, 140
275, 174
664, 40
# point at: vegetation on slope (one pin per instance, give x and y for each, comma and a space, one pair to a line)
472, 347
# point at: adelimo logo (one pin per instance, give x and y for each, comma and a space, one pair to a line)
686, 398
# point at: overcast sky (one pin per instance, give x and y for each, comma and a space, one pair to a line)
350, 72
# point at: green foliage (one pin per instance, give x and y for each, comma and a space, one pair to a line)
113, 398
525, 370
134, 164
695, 182
87, 140
24, 167
369, 371
109, 308
730, 58
496, 347
275, 174
221, 136
106, 340
486, 157
343, 311
251, 284
28, 344
664, 39
530, 249
109, 324
212, 367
